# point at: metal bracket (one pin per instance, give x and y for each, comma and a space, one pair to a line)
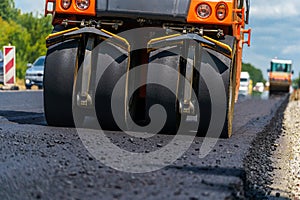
178, 39
190, 58
248, 41
242, 12
192, 55
170, 40
84, 98
55, 38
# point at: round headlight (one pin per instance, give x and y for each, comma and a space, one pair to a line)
83, 4
203, 10
221, 11
66, 4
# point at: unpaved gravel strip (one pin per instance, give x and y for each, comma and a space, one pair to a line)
292, 128
286, 158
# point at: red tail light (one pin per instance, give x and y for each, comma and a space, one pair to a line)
221, 11
65, 4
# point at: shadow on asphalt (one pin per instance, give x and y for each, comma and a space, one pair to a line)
218, 171
22, 117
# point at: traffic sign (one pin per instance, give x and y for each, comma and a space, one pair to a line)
9, 67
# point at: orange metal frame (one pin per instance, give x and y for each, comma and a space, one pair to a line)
73, 10
212, 19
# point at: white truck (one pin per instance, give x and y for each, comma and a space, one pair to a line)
244, 84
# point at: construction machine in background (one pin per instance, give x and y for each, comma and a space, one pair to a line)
186, 35
280, 75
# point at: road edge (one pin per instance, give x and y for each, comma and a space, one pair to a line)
257, 163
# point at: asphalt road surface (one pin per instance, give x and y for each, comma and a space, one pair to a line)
41, 162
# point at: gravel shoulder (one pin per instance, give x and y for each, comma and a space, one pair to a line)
258, 162
273, 161
286, 158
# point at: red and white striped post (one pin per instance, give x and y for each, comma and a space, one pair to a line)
9, 67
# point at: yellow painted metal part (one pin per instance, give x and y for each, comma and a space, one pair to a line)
216, 42
119, 38
160, 39
222, 45
52, 35
163, 38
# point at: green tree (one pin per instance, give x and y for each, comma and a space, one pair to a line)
12, 33
255, 74
296, 83
25, 31
8, 10
39, 28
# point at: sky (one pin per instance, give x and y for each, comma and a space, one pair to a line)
275, 31
31, 5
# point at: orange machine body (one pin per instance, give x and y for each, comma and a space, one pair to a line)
233, 23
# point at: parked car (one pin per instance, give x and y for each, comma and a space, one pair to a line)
1, 67
259, 87
35, 73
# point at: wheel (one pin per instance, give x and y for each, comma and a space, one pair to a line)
227, 69
287, 89
161, 95
58, 83
28, 87
14, 87
230, 86
116, 59
271, 90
